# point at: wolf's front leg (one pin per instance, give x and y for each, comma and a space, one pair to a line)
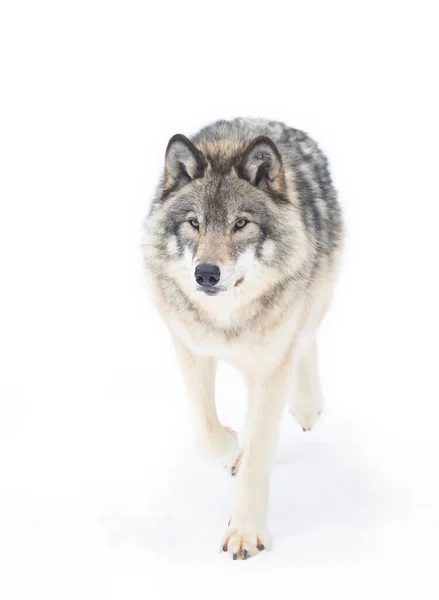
199, 375
247, 532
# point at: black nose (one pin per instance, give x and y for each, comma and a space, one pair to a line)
207, 274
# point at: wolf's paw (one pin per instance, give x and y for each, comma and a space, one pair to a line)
233, 466
307, 417
244, 542
225, 450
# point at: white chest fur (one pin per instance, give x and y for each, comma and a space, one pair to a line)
261, 344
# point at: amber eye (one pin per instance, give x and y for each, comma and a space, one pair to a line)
194, 223
240, 223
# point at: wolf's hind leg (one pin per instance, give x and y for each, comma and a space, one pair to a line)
307, 400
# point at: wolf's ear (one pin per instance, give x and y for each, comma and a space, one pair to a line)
184, 162
261, 164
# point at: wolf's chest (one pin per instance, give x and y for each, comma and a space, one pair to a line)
258, 345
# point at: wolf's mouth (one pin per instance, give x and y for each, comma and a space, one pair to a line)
214, 291
210, 291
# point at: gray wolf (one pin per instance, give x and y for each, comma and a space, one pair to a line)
242, 247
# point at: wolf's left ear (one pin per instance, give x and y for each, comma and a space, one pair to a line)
262, 164
184, 162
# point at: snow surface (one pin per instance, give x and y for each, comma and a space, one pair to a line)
102, 492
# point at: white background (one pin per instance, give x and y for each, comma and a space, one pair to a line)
102, 492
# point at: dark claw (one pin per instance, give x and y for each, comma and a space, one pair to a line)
245, 555
235, 556
303, 428
230, 520
261, 547
225, 547
233, 471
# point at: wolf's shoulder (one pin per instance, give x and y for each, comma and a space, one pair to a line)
292, 143
247, 128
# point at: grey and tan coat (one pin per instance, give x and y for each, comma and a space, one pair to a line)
242, 246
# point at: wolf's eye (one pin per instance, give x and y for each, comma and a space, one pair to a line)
194, 223
240, 223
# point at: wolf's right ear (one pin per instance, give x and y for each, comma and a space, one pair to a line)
261, 165
183, 162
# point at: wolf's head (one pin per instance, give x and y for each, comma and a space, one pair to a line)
225, 222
